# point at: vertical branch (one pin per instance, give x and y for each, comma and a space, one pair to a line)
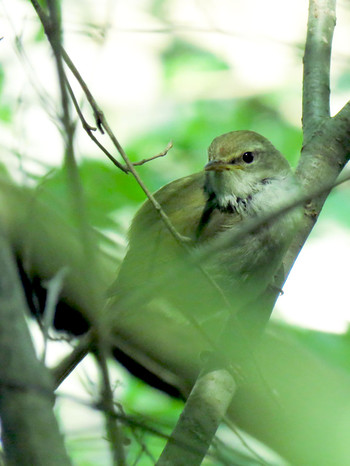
54, 35
317, 58
30, 433
114, 434
53, 31
324, 154
51, 22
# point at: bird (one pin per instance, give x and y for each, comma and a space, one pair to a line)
172, 296
180, 294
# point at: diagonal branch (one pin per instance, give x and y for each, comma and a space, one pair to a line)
204, 410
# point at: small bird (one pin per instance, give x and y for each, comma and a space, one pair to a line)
168, 286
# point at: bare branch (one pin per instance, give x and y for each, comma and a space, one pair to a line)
326, 140
129, 421
26, 395
205, 408
69, 363
90, 129
317, 57
54, 287
161, 154
102, 124
114, 434
179, 238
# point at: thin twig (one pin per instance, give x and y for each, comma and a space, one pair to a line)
52, 26
115, 436
54, 287
178, 237
90, 129
70, 362
138, 438
161, 154
103, 125
127, 420
241, 438
97, 111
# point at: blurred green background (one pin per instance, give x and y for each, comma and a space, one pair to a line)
168, 70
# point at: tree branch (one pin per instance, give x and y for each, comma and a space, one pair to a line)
317, 57
326, 150
102, 124
90, 129
114, 433
70, 362
161, 154
26, 391
204, 410
326, 140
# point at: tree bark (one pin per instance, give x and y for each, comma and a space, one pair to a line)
30, 432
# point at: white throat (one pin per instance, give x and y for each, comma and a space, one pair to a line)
252, 197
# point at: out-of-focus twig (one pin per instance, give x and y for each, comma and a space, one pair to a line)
114, 433
70, 362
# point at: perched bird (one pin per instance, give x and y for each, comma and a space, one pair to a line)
171, 300
181, 295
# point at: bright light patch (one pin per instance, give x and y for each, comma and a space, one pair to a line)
316, 294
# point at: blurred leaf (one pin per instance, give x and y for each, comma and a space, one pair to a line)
158, 411
88, 450
4, 172
331, 347
2, 77
5, 109
183, 57
6, 114
153, 403
106, 190
157, 8
40, 34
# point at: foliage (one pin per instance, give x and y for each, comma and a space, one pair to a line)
112, 197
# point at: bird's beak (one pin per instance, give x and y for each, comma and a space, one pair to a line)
216, 165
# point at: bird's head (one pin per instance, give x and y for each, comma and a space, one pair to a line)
240, 164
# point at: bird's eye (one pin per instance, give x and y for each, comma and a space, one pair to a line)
248, 157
